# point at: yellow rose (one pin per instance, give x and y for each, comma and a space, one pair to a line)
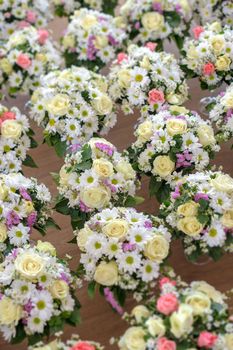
125, 168
106, 273
68, 41
3, 232
101, 84
163, 166
156, 326
175, 99
157, 248
176, 126
181, 321
29, 265
199, 302
178, 109
83, 236
216, 27
228, 99
185, 6
153, 21
103, 167
190, 226
88, 21
103, 104
227, 218
58, 105
192, 53
46, 247
229, 341
206, 135
16, 39
101, 41
95, 197
41, 57
124, 78
116, 228
133, 339
28, 206
188, 209
139, 312
63, 176
218, 44
119, 22
6, 66
209, 290
59, 289
3, 191
145, 131
223, 63
11, 129
10, 313
223, 183
145, 63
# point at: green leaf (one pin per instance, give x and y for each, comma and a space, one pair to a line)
216, 253
62, 207
202, 218
51, 223
60, 148
154, 186
86, 152
84, 165
20, 334
28, 161
55, 177
91, 289
173, 18
33, 144
35, 338
74, 318
73, 240
133, 201
163, 193
120, 295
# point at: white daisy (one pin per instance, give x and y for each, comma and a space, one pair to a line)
19, 235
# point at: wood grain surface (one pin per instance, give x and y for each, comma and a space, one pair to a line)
99, 322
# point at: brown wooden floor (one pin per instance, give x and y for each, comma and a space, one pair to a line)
98, 321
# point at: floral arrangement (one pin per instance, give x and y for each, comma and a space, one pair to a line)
150, 20
16, 139
94, 177
122, 251
66, 8
16, 14
221, 114
200, 213
146, 79
209, 55
25, 56
75, 343
182, 316
37, 294
174, 140
72, 106
92, 39
24, 205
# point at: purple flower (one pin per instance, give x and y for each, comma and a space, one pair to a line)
84, 208
110, 186
28, 307
128, 247
137, 25
91, 49
178, 8
157, 6
75, 147
64, 277
12, 219
148, 224
176, 193
105, 148
112, 40
112, 301
25, 194
200, 195
31, 219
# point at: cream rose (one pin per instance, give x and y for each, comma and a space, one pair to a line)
153, 21
206, 135
145, 63
188, 209
199, 302
227, 218
41, 57
124, 78
102, 104
157, 248
163, 166
133, 339
63, 176
88, 21
83, 236
46, 247
140, 312
209, 290
223, 63
192, 53
116, 228
59, 289
181, 321
223, 183
190, 226
10, 313
125, 168
229, 341
106, 273
218, 44
3, 232
68, 41
11, 129
6, 66
101, 84
51, 346
103, 167
216, 26
227, 99
95, 197
30, 265
28, 206
175, 99
3, 191
145, 131
100, 41
156, 326
176, 126
59, 104
178, 109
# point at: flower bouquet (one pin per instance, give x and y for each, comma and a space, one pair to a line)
92, 39
200, 213
94, 177
24, 205
150, 20
37, 294
25, 56
16, 14
181, 316
15, 140
66, 8
209, 56
72, 106
147, 80
174, 140
123, 251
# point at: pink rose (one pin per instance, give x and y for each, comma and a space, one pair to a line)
206, 340
121, 57
83, 345
7, 116
31, 16
197, 31
23, 61
167, 304
165, 344
156, 96
208, 68
23, 24
43, 36
166, 280
151, 46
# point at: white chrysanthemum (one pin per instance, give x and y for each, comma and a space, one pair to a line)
19, 235
215, 235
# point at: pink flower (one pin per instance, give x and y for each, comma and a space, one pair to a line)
23, 24
166, 280
208, 68
6, 116
156, 96
167, 304
151, 46
197, 31
31, 16
121, 57
83, 345
43, 36
23, 61
166, 344
206, 340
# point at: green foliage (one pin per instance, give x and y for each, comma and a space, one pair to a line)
28, 161
91, 289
